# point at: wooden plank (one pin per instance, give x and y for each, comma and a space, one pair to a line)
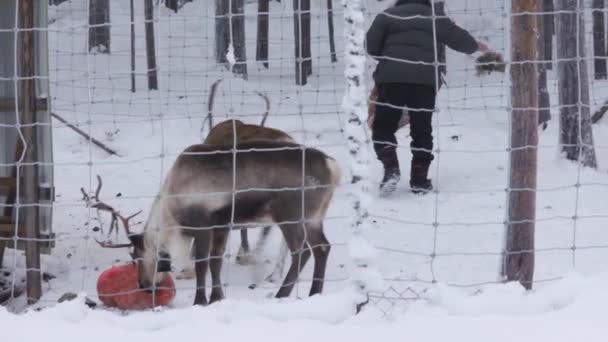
8, 182
7, 229
7, 105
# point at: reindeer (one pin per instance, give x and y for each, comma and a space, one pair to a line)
210, 190
224, 134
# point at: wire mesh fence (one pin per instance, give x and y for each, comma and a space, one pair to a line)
132, 84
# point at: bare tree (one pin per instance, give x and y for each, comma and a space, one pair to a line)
518, 262
330, 27
262, 38
301, 29
576, 134
237, 19
544, 101
548, 31
132, 10
99, 26
230, 25
150, 45
599, 39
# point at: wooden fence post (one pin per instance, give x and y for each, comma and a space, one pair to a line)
28, 120
518, 261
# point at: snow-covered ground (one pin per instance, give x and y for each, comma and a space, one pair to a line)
452, 237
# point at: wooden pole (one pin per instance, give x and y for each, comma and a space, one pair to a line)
518, 262
262, 35
132, 46
28, 119
150, 45
599, 39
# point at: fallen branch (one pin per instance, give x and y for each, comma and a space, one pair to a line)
599, 114
88, 137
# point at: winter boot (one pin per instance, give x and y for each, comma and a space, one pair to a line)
388, 157
419, 183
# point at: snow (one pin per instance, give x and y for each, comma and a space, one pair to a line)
441, 250
570, 309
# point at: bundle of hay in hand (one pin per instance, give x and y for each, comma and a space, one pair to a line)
489, 62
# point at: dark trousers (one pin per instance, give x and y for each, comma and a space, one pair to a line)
419, 100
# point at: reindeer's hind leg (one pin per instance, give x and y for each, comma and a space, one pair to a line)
300, 253
202, 246
320, 250
220, 237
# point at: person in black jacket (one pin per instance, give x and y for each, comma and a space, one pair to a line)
401, 40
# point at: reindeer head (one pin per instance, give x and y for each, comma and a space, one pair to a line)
140, 253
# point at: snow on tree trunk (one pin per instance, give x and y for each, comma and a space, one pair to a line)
262, 36
518, 261
99, 30
301, 29
599, 39
576, 134
354, 106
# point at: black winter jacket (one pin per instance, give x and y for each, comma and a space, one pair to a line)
401, 39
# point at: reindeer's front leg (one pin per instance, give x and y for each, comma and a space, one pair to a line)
220, 237
202, 246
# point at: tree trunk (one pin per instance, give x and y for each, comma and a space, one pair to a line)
150, 44
544, 101
222, 31
262, 36
230, 19
330, 26
599, 39
28, 118
132, 9
172, 5
99, 30
238, 38
301, 31
548, 32
576, 135
518, 262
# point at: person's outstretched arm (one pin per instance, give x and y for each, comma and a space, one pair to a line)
455, 37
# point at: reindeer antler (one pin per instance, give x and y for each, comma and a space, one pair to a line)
95, 203
211, 101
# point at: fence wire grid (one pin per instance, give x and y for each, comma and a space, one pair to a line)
453, 235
